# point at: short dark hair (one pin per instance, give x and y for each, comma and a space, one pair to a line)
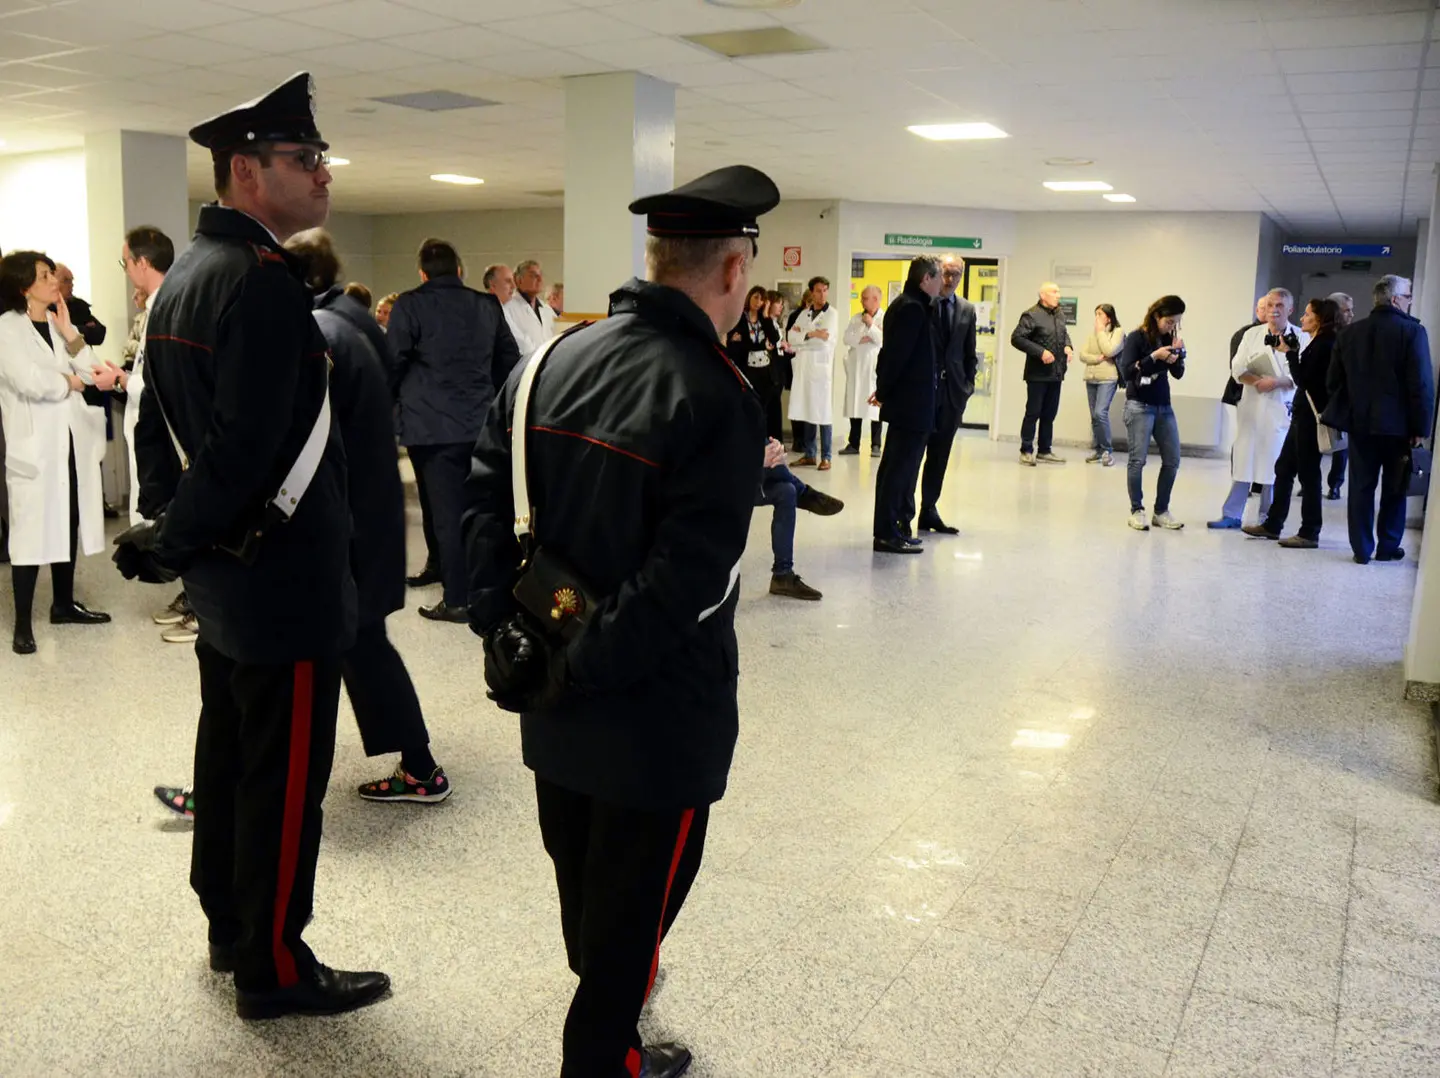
17, 274
438, 259
319, 264
922, 268
149, 243
1108, 310
220, 160
817, 280
356, 290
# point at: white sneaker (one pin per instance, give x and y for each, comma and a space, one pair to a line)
1137, 521
1108, 460
184, 633
1027, 459
1049, 458
1166, 521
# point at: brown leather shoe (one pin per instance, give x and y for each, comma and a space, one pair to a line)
804, 462
1298, 542
1259, 531
791, 586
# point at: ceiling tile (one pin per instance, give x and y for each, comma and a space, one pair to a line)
373, 19
1397, 119
462, 43
668, 17
267, 35
645, 54
1350, 58
372, 56
571, 28
1355, 82
546, 63
1353, 102
170, 14
182, 49
1370, 29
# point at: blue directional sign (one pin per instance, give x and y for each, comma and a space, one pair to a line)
1339, 250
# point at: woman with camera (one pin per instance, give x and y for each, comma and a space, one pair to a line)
1099, 355
54, 438
1300, 454
1149, 358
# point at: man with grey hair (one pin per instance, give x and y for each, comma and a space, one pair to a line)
1043, 337
530, 283
1340, 459
863, 338
1382, 391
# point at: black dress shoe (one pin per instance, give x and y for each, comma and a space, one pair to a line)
850, 451
77, 614
664, 1061
424, 578
1361, 559
24, 642
935, 524
910, 540
1333, 495
324, 991
440, 612
222, 957
897, 546
1398, 554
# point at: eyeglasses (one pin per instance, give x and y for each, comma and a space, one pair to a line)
307, 157
1404, 295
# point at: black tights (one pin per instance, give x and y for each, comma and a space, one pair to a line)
62, 573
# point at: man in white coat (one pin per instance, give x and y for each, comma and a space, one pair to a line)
863, 338
499, 281
1262, 366
814, 336
529, 286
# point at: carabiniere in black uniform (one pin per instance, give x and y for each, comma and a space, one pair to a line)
238, 367
645, 448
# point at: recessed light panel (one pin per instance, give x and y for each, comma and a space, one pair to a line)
1119, 198
771, 41
953, 132
336, 162
1078, 185
452, 177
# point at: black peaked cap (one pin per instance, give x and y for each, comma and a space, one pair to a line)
285, 114
722, 203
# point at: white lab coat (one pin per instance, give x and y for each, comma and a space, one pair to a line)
1262, 419
863, 344
41, 417
812, 393
530, 329
133, 390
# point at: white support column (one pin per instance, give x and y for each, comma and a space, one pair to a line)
619, 146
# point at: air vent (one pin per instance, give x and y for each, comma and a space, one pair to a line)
772, 41
435, 101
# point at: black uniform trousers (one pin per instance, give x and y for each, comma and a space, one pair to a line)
1383, 461
263, 752
895, 480
387, 709
1042, 405
1300, 458
446, 467
623, 874
427, 520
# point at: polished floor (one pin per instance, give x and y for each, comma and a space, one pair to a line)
1056, 798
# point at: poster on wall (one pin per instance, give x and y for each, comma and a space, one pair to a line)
896, 287
793, 291
1070, 307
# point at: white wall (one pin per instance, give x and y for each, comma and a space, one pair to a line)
800, 223
42, 208
482, 237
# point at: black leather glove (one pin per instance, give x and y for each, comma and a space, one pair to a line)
523, 670
135, 555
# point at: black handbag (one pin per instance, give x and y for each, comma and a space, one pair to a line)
1418, 483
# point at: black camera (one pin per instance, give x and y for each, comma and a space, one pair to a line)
1177, 353
1272, 340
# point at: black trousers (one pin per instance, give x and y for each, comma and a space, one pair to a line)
23, 578
446, 467
877, 428
1299, 458
427, 519
262, 761
774, 417
937, 460
623, 875
895, 481
1042, 405
800, 431
387, 709
1337, 469
1384, 462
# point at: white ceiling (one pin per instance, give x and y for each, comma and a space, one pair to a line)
1323, 113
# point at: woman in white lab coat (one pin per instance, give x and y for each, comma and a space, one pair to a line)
863, 337
814, 336
54, 441
1262, 366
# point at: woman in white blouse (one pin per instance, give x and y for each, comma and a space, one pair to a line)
54, 440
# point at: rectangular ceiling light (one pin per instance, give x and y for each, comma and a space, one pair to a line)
453, 177
771, 41
1078, 185
435, 101
952, 132
1119, 198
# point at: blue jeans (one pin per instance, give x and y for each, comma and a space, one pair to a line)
780, 488
1101, 394
1141, 422
826, 435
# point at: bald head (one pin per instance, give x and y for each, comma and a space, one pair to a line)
1050, 295
952, 272
66, 279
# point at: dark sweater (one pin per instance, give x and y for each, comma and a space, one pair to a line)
1137, 365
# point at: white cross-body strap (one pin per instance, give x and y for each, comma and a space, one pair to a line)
518, 424
297, 480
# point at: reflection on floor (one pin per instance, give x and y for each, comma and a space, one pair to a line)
1056, 798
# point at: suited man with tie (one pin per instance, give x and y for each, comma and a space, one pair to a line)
957, 363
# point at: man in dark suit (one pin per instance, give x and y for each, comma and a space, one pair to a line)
1382, 391
905, 379
958, 362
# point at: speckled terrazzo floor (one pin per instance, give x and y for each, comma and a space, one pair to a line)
1055, 798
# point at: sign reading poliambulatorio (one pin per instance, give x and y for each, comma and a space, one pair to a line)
1343, 250
957, 243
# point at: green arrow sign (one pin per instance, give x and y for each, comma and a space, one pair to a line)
958, 243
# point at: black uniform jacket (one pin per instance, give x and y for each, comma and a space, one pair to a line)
905, 370
1042, 329
450, 348
235, 358
645, 449
360, 398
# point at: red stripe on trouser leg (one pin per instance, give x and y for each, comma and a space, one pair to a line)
686, 818
294, 819
633, 1061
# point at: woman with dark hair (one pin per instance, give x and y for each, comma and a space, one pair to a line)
1101, 382
54, 438
1300, 455
753, 346
1151, 356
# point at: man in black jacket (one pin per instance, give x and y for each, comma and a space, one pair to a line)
259, 526
90, 327
644, 453
450, 348
1042, 335
905, 380
958, 362
1382, 391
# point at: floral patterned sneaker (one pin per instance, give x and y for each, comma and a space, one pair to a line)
178, 799
403, 786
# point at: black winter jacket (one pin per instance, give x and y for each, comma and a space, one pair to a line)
235, 357
767, 379
360, 398
450, 348
1041, 329
645, 447
1380, 373
906, 369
